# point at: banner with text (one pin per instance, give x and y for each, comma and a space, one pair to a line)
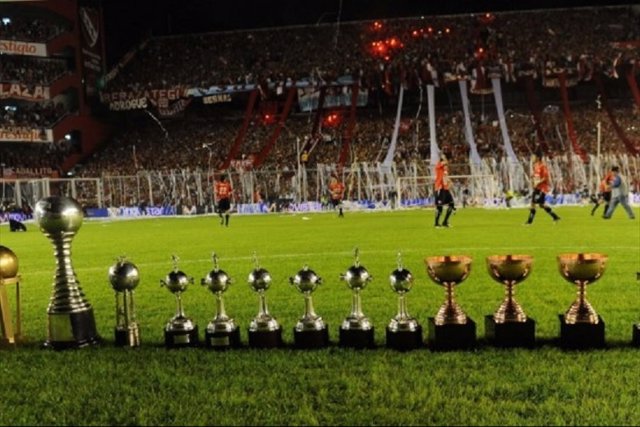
335, 96
22, 91
15, 47
25, 134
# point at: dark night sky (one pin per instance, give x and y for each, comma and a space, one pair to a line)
126, 21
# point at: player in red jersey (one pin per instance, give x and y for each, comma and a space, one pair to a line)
604, 193
443, 191
336, 188
541, 186
223, 193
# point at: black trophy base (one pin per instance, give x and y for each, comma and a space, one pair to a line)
510, 334
126, 338
180, 339
355, 338
404, 340
636, 335
452, 337
311, 339
222, 340
72, 330
581, 335
266, 339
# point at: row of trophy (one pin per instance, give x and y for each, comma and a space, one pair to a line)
71, 321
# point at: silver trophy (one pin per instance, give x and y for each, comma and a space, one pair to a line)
222, 332
264, 329
310, 331
403, 332
180, 331
356, 329
124, 278
70, 322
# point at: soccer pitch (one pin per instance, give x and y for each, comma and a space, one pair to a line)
150, 385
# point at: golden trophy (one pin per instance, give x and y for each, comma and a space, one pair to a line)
451, 328
9, 276
509, 326
124, 277
581, 326
403, 331
222, 332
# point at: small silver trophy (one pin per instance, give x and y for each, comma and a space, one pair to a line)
70, 321
403, 332
180, 331
124, 278
310, 331
222, 332
264, 329
356, 330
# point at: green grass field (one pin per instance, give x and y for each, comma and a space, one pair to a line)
150, 385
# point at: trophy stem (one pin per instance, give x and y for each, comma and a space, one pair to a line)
356, 305
131, 312
403, 314
509, 310
263, 311
179, 309
308, 307
581, 310
221, 314
450, 313
119, 321
67, 294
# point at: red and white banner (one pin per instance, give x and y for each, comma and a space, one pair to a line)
15, 47
172, 94
26, 92
91, 46
25, 134
171, 109
20, 173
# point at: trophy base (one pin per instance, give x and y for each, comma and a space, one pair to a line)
510, 334
71, 330
311, 339
223, 340
581, 335
636, 335
357, 338
179, 339
265, 339
452, 337
404, 340
126, 338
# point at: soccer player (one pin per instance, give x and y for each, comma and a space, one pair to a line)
443, 193
223, 193
540, 182
604, 193
619, 194
336, 188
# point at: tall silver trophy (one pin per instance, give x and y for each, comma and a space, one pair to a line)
356, 330
124, 278
403, 332
180, 330
264, 329
70, 321
310, 331
222, 332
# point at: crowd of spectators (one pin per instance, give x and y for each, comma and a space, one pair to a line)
30, 114
28, 70
29, 29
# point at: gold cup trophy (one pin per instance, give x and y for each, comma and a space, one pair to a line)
451, 328
11, 332
581, 327
509, 326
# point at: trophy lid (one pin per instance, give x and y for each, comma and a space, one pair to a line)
356, 276
176, 281
306, 280
8, 263
58, 214
217, 280
401, 279
124, 275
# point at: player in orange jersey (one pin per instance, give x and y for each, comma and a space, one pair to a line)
336, 188
223, 193
443, 192
541, 186
604, 193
